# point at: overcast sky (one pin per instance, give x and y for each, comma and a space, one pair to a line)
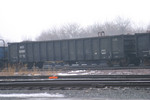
22, 19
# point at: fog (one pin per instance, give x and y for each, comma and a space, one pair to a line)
28, 19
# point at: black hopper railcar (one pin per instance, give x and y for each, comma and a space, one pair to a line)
119, 49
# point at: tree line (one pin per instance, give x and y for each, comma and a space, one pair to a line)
74, 30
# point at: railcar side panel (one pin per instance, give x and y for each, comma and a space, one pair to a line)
95, 49
80, 49
50, 51
72, 50
105, 48
36, 52
117, 47
130, 46
43, 52
88, 49
57, 49
22, 52
143, 47
29, 52
65, 50
13, 52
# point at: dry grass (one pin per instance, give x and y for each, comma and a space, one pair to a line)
7, 72
20, 70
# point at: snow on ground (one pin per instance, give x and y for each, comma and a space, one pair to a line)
107, 72
81, 72
107, 93
32, 95
77, 72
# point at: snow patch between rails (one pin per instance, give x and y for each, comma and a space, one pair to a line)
32, 95
66, 74
73, 73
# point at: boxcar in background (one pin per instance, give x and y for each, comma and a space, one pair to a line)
119, 49
3, 56
2, 52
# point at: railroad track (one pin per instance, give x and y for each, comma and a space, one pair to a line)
76, 76
95, 81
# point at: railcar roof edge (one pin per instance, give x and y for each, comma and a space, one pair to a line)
71, 39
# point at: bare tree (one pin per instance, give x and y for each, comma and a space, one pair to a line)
148, 28
138, 30
71, 31
93, 30
110, 28
123, 26
51, 34
64, 32
119, 26
116, 27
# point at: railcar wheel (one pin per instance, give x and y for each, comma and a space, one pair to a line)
146, 62
137, 62
123, 63
109, 63
30, 65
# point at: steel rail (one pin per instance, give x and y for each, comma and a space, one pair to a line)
73, 83
76, 76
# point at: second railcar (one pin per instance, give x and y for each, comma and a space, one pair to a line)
143, 47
